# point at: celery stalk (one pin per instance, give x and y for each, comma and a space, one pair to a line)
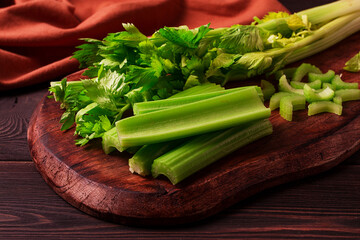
151, 106
192, 156
203, 88
348, 94
191, 119
143, 159
338, 83
331, 38
330, 11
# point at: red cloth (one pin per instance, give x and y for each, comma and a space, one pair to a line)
37, 37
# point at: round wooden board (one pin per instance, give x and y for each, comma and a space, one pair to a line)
101, 185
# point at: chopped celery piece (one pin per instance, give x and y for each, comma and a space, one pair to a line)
322, 95
323, 77
268, 89
284, 86
337, 100
303, 70
151, 106
207, 115
275, 99
203, 88
329, 85
291, 103
324, 106
110, 141
348, 94
205, 149
143, 159
353, 65
338, 83
300, 85
288, 72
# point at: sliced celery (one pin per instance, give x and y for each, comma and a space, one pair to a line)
323, 77
348, 94
324, 106
143, 159
303, 70
288, 72
205, 149
151, 106
275, 99
338, 83
311, 95
284, 86
267, 88
300, 85
291, 103
207, 115
329, 85
337, 100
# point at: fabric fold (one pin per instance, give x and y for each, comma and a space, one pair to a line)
37, 37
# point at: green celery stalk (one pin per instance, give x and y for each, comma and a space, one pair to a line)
203, 88
110, 141
284, 86
327, 12
151, 106
333, 35
143, 159
194, 155
212, 114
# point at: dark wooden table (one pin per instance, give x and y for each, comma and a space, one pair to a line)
326, 206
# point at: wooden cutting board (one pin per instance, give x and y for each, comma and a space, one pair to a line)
101, 185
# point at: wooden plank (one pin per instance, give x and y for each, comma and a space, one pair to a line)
324, 206
15, 111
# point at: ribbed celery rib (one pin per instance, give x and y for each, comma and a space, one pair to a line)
151, 106
191, 119
205, 149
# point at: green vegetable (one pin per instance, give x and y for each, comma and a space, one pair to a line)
311, 95
191, 119
145, 107
348, 94
338, 83
284, 86
143, 159
303, 70
300, 85
323, 77
353, 65
275, 99
110, 141
291, 103
324, 106
193, 155
268, 89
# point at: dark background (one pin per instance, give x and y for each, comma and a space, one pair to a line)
325, 206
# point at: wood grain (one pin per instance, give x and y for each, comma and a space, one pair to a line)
325, 206
15, 114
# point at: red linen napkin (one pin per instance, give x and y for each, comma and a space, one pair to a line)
37, 37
